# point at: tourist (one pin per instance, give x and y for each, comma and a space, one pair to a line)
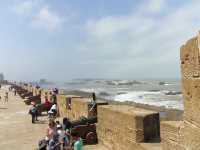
54, 143
51, 130
54, 99
55, 91
66, 124
63, 138
53, 111
47, 104
6, 97
77, 141
66, 139
58, 123
93, 103
15, 92
33, 112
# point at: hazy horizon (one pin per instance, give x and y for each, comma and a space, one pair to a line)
65, 40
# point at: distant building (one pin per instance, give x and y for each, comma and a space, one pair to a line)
43, 81
1, 77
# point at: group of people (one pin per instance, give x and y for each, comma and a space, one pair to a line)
33, 111
60, 137
50, 107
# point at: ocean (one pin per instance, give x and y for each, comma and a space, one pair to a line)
162, 93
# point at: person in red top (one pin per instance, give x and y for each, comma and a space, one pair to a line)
47, 104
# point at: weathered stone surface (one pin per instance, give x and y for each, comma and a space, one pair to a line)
191, 95
46, 93
36, 91
151, 146
170, 135
190, 59
190, 136
74, 107
65, 106
190, 69
123, 127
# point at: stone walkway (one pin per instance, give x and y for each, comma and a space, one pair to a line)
16, 130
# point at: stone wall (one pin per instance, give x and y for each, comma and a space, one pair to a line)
123, 127
36, 91
187, 135
74, 107
46, 92
64, 105
79, 108
190, 69
170, 134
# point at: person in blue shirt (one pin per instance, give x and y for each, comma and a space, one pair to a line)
33, 112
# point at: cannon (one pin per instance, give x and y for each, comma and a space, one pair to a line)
43, 108
86, 129
36, 99
27, 94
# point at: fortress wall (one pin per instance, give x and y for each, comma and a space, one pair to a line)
190, 136
29, 88
46, 92
36, 91
79, 108
124, 127
74, 107
190, 69
64, 105
170, 135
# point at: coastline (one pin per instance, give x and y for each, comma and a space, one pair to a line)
166, 114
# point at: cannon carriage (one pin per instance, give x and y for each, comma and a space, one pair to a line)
86, 129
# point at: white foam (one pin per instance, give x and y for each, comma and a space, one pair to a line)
95, 90
150, 98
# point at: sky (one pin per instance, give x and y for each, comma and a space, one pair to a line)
68, 39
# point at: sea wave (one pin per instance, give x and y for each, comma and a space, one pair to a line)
123, 82
165, 83
157, 98
134, 95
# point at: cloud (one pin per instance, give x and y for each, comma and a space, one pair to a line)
154, 6
140, 39
25, 7
47, 19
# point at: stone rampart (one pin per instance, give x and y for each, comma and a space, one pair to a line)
123, 127
170, 135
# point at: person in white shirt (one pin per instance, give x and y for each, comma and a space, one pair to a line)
53, 110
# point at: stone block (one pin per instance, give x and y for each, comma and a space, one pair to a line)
170, 135
191, 96
64, 104
123, 127
190, 136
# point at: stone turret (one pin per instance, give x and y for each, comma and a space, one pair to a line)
185, 135
190, 69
